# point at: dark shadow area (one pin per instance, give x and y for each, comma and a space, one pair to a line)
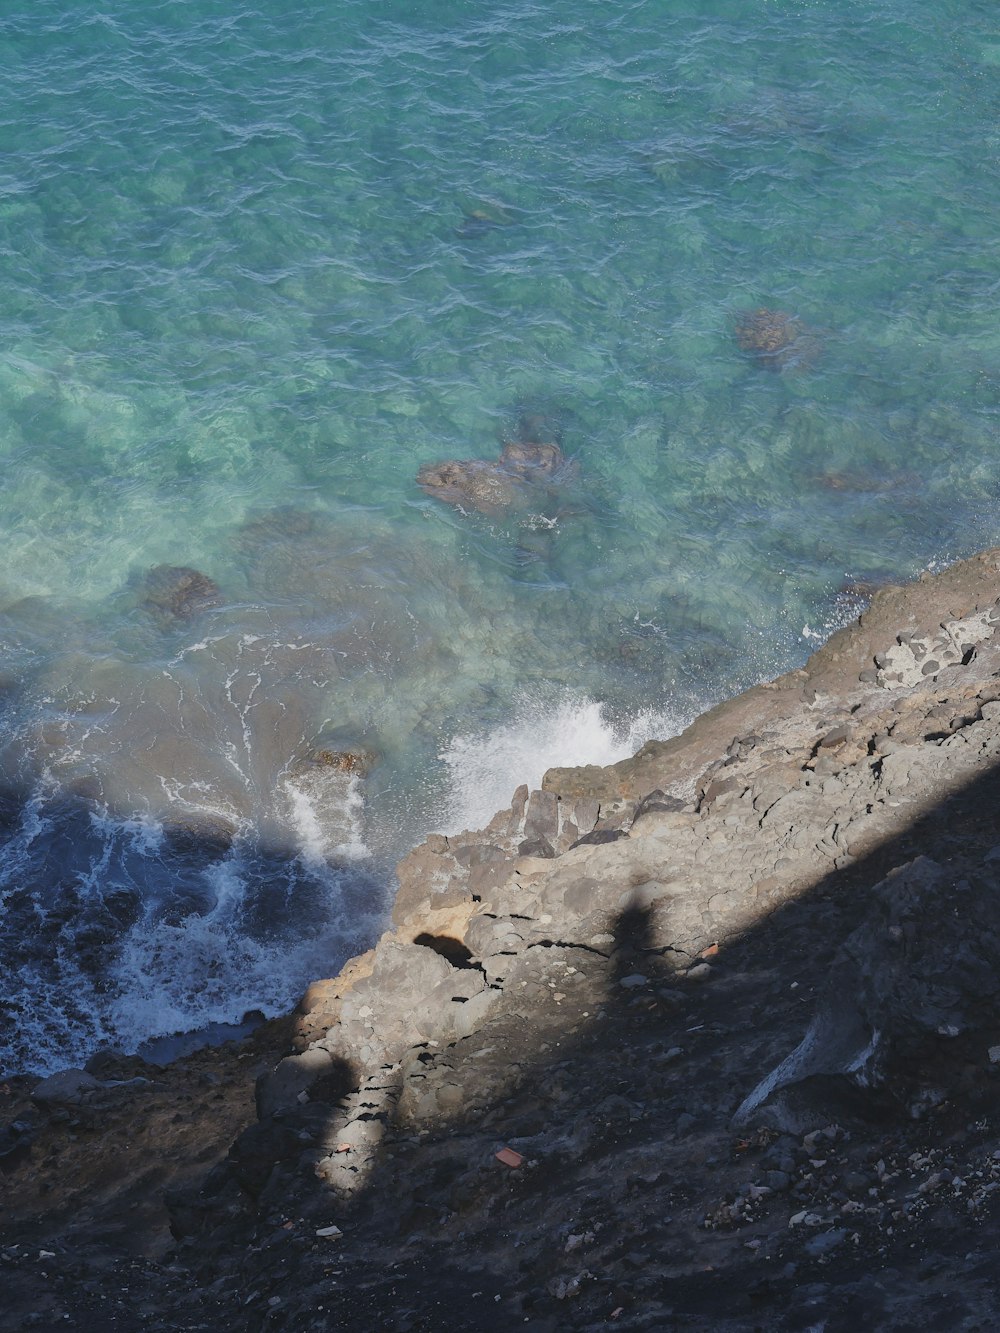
832, 1202
88, 1154
860, 1192
457, 953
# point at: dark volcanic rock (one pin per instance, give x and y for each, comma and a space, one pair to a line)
175, 593
536, 847
913, 988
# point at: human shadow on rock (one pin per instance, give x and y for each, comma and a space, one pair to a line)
751, 1138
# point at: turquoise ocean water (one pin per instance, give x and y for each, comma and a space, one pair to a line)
259, 264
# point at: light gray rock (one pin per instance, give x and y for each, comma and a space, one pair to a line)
66, 1088
825, 1242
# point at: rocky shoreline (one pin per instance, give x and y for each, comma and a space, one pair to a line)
727, 1011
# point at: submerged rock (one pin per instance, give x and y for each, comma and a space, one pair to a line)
776, 340
198, 833
484, 218
868, 481
534, 456
352, 760
470, 484
532, 461
177, 592
539, 425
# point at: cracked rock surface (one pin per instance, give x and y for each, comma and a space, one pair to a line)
729, 1009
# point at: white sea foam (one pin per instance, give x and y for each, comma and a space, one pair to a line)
245, 931
548, 730
325, 812
16, 853
177, 977
182, 975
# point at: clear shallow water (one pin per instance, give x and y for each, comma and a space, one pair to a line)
257, 266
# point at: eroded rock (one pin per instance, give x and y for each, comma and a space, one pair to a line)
904, 995
341, 756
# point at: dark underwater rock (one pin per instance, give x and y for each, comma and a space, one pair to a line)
540, 424
352, 760
470, 484
174, 593
533, 457
198, 834
483, 219
532, 461
775, 340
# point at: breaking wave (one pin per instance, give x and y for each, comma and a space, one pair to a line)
548, 729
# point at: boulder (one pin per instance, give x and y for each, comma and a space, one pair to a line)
67, 1088
489, 486
410, 974
471, 484
174, 593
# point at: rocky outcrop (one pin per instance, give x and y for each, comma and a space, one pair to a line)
728, 1007
909, 996
705, 836
628, 890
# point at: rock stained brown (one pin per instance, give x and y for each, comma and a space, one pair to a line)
775, 340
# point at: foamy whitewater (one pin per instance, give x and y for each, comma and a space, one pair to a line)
547, 730
259, 268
